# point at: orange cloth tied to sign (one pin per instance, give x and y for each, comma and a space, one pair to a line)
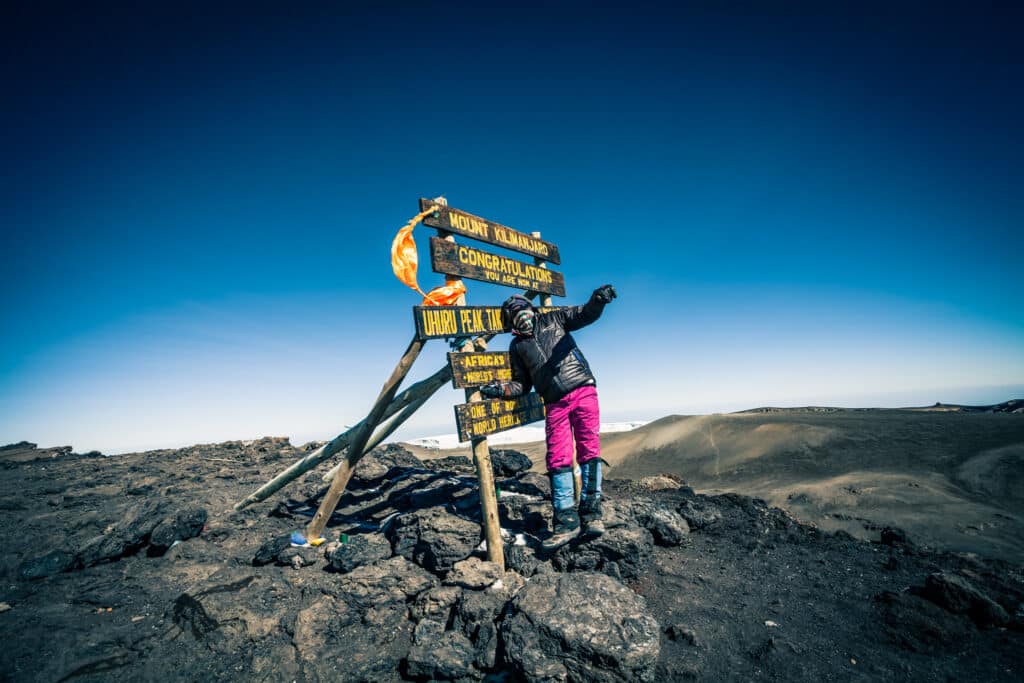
405, 261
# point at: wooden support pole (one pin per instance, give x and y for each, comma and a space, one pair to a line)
385, 431
416, 394
316, 526
484, 472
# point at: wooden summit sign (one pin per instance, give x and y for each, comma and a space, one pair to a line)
462, 223
439, 322
481, 418
476, 369
456, 259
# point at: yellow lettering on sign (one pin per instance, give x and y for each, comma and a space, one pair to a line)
438, 321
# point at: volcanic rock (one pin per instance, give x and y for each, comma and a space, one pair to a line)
269, 551
374, 466
53, 562
438, 655
124, 537
699, 514
509, 463
473, 573
958, 595
181, 526
360, 550
434, 538
395, 580
580, 626
623, 552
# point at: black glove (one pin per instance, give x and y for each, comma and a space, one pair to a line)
493, 390
604, 294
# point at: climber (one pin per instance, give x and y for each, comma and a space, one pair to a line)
544, 355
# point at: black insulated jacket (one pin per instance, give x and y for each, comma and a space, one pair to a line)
550, 360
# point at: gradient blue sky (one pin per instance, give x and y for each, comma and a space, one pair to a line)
807, 204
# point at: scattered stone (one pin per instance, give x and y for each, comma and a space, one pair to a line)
682, 633
181, 526
433, 538
297, 557
360, 550
4, 607
436, 603
476, 616
530, 483
699, 514
509, 463
918, 625
376, 464
580, 627
437, 655
668, 528
53, 562
657, 483
392, 580
623, 553
125, 537
437, 492
521, 559
269, 551
958, 595
452, 463
893, 536
473, 573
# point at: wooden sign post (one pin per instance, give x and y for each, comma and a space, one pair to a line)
469, 368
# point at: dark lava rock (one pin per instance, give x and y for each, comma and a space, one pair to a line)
439, 655
580, 627
436, 603
452, 463
521, 559
520, 512
181, 526
699, 514
509, 463
473, 573
623, 552
476, 616
668, 528
298, 557
437, 492
360, 550
918, 625
269, 551
434, 538
958, 595
530, 483
393, 580
892, 536
53, 562
374, 466
682, 633
125, 538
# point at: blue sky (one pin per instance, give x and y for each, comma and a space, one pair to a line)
799, 205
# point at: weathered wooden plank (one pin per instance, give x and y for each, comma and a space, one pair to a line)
478, 369
462, 223
438, 322
497, 415
458, 259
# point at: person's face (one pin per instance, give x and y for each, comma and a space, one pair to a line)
522, 322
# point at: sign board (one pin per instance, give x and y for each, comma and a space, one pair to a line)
462, 223
477, 420
458, 259
438, 322
478, 369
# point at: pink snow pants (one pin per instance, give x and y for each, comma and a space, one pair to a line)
575, 415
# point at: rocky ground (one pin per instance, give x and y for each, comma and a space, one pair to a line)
136, 567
